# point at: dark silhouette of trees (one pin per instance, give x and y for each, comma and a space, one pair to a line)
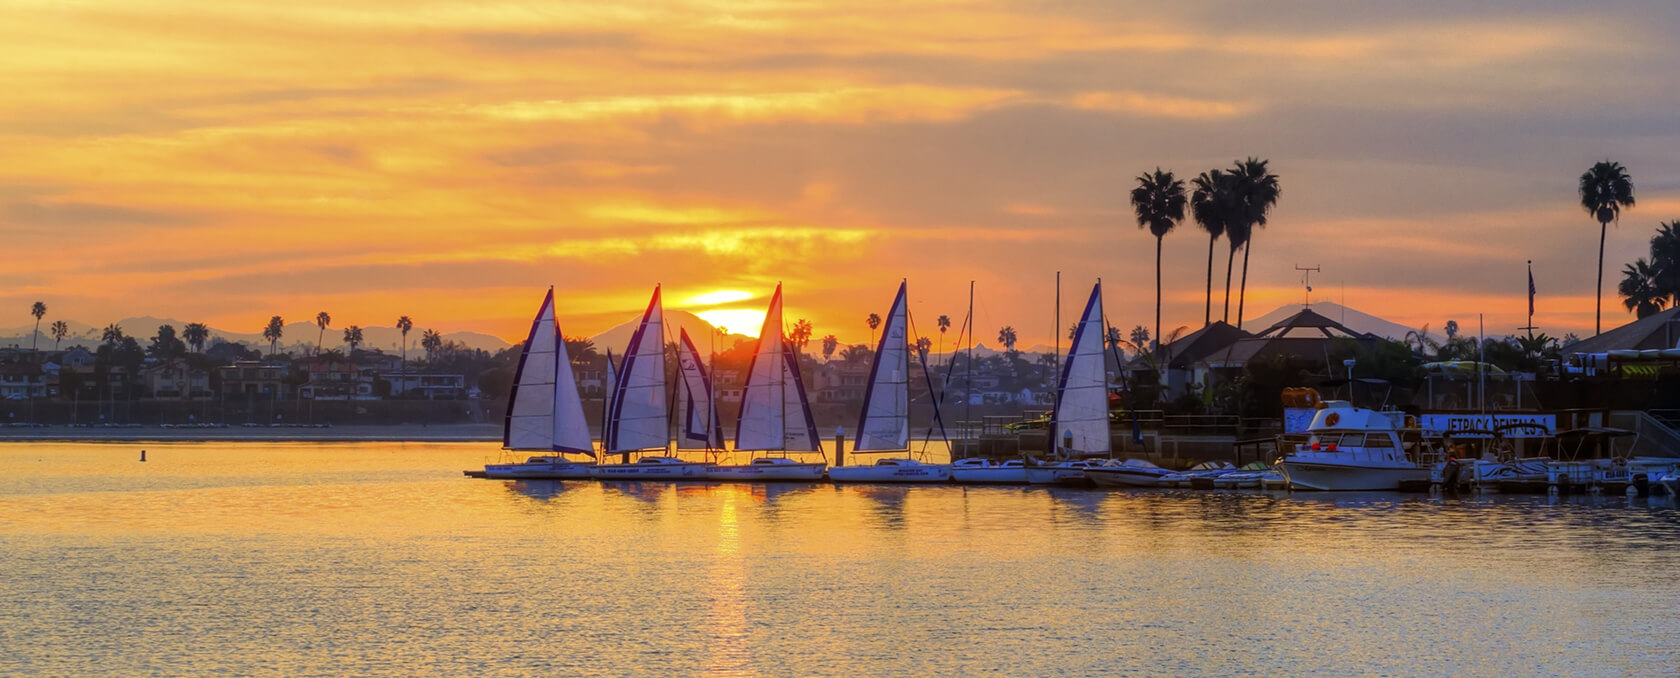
1605, 190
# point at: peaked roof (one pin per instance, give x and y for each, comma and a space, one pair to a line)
1202, 343
1658, 330
1305, 335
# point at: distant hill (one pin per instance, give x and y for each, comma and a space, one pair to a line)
297, 335
618, 337
1354, 319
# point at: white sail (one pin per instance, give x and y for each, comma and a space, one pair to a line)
571, 429
701, 428
775, 414
885, 421
639, 420
530, 416
1082, 392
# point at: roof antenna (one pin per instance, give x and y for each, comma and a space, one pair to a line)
1306, 280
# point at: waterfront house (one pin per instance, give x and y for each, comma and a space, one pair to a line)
22, 381
174, 380
265, 378
427, 386
331, 378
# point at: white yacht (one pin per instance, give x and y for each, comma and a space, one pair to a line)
544, 410
775, 414
1129, 473
1352, 448
652, 468
768, 469
898, 470
978, 471
1067, 473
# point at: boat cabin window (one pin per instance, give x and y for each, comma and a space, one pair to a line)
1382, 440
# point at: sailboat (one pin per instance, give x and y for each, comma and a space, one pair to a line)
640, 416
884, 424
544, 410
775, 415
699, 426
1079, 423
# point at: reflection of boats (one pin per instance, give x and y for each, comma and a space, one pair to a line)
979, 471
541, 490
775, 415
1079, 422
544, 410
884, 423
638, 418
1351, 448
1129, 473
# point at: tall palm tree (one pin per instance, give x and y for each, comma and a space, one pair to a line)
1006, 336
273, 332
404, 324
1236, 235
801, 335
196, 334
1639, 289
112, 335
1211, 206
944, 323
38, 310
353, 337
1605, 190
60, 330
322, 320
874, 321
1159, 201
1256, 190
829, 343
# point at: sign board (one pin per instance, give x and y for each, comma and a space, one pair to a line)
1543, 425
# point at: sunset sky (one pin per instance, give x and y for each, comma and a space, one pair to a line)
225, 162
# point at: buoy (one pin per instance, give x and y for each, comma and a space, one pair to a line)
142, 455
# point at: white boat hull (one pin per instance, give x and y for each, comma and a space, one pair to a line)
691, 471
767, 473
1008, 475
920, 473
1331, 477
560, 470
1114, 476
1057, 475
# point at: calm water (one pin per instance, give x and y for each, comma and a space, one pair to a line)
299, 559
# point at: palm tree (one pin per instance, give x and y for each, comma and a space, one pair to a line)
856, 353
874, 321
581, 350
275, 330
1255, 191
432, 341
1605, 190
1159, 202
404, 324
944, 322
1665, 258
353, 337
1210, 205
801, 334
829, 343
1006, 336
196, 334
322, 320
59, 330
112, 335
38, 310
1639, 290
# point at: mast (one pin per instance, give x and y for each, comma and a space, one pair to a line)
968, 370
1056, 364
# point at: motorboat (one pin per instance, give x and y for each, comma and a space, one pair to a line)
534, 468
1129, 473
1064, 473
1669, 481
1252, 475
652, 468
979, 471
764, 469
895, 470
1352, 448
1201, 476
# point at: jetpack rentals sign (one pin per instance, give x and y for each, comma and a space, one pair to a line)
1511, 425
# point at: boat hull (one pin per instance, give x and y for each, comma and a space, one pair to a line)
766, 473
539, 471
922, 473
1339, 477
692, 471
1114, 476
1065, 476
1010, 475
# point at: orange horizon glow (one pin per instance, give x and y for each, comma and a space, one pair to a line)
226, 163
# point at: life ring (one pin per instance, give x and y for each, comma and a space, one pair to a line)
1332, 418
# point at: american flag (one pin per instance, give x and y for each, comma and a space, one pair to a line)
1531, 289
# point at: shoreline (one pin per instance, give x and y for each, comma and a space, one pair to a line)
452, 433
